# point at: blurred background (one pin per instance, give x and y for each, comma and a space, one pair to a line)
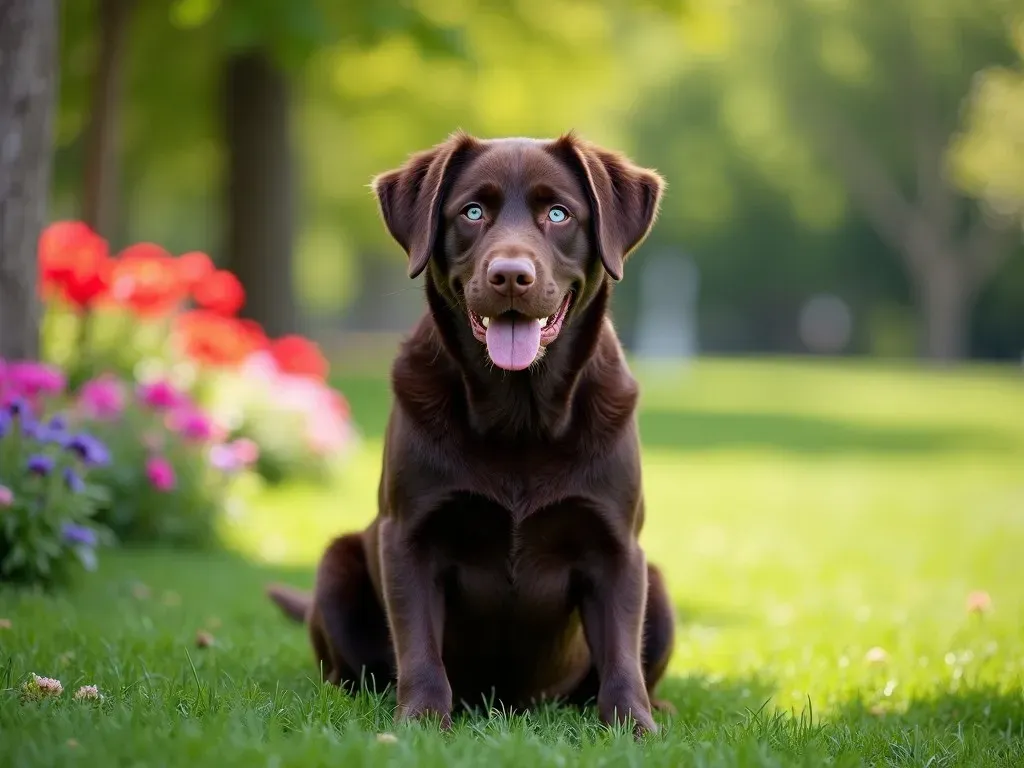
845, 178
838, 516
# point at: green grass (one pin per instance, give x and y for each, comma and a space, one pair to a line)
804, 514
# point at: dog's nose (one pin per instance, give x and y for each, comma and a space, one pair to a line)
511, 277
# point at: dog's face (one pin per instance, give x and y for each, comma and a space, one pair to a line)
518, 232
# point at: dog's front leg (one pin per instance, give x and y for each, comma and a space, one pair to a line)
415, 606
612, 610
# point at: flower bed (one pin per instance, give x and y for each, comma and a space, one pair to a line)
155, 398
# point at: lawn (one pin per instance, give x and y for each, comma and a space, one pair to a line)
821, 526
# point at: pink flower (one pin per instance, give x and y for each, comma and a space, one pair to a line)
6, 496
192, 424
160, 474
246, 451
160, 396
232, 457
42, 687
31, 380
223, 458
102, 398
979, 601
88, 692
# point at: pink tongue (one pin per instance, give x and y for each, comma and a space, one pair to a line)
513, 342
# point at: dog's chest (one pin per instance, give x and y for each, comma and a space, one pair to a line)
496, 559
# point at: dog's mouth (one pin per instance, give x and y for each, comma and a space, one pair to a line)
513, 340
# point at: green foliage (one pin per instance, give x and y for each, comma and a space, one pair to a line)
988, 156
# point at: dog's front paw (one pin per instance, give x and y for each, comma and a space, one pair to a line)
426, 698
620, 707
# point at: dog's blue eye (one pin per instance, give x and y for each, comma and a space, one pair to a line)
473, 212
558, 214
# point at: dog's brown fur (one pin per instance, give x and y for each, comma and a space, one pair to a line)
504, 562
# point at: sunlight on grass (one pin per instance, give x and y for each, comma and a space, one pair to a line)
803, 514
821, 526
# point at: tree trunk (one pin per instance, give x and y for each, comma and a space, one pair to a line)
102, 166
260, 220
944, 297
28, 74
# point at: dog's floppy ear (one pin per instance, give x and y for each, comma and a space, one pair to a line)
410, 197
624, 199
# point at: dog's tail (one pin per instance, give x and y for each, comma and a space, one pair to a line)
293, 602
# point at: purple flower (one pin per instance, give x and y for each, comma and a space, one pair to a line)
6, 496
73, 480
5, 423
18, 406
38, 464
34, 430
90, 450
78, 534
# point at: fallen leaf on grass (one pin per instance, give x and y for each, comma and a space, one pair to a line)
5, 624
387, 738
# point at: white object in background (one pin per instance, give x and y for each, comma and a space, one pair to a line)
667, 322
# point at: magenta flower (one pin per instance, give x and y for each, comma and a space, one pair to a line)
160, 474
160, 395
191, 423
6, 496
102, 398
31, 379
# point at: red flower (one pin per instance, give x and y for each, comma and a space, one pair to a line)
194, 267
73, 263
147, 281
212, 339
88, 282
220, 292
300, 357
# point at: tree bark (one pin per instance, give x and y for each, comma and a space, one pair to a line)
260, 218
28, 74
945, 300
102, 166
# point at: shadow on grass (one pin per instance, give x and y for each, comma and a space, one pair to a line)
693, 430
684, 430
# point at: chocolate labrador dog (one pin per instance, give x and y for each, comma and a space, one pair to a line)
503, 562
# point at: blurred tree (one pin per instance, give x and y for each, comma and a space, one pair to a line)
876, 92
988, 155
28, 73
100, 203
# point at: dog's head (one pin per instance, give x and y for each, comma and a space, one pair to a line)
519, 233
